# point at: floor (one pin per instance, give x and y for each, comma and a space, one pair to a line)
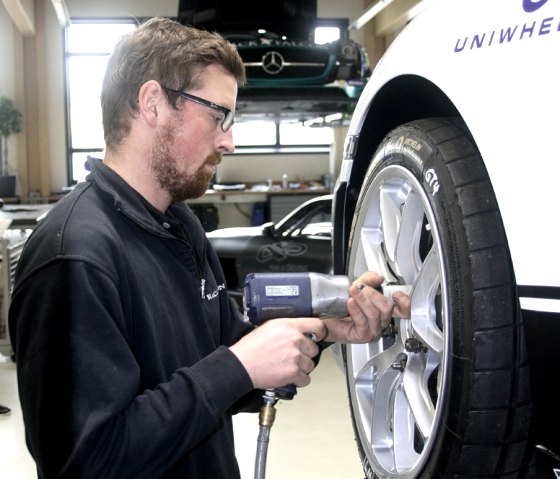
311, 438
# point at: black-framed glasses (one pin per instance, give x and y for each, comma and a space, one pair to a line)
229, 115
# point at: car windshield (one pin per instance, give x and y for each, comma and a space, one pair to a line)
310, 213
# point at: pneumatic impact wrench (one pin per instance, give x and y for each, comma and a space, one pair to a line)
284, 295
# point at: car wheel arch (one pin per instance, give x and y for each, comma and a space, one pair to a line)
401, 100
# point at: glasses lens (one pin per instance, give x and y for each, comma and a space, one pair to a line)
227, 121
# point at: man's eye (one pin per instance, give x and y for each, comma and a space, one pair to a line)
217, 119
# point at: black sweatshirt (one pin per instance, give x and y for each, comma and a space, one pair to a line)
120, 322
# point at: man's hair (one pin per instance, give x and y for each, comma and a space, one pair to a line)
165, 51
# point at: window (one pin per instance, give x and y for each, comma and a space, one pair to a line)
245, 134
298, 134
285, 135
88, 46
326, 34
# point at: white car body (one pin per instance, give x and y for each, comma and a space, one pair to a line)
491, 67
497, 62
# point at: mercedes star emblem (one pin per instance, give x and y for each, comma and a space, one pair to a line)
273, 63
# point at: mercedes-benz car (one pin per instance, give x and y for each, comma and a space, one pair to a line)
289, 75
449, 186
299, 242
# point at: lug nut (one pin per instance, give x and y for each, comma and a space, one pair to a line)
414, 345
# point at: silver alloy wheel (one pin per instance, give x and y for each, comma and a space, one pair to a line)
448, 392
396, 384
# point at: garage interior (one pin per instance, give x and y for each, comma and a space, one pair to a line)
314, 430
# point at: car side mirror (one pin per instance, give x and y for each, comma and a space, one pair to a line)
268, 229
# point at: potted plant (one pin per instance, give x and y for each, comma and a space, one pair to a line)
10, 123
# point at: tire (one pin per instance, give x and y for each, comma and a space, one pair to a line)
445, 393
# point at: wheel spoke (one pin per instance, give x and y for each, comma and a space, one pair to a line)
381, 427
415, 384
372, 253
390, 202
404, 427
423, 309
407, 257
374, 376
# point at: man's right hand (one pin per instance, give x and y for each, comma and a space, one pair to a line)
278, 352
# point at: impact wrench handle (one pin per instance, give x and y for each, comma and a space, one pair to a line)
278, 295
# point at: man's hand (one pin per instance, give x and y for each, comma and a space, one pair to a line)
370, 312
278, 352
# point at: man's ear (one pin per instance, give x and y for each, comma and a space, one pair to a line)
150, 99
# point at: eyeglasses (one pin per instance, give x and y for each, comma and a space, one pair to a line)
228, 119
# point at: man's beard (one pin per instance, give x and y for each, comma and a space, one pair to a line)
179, 184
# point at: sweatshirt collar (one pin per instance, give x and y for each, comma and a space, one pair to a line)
125, 198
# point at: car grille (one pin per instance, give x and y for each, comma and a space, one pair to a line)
281, 64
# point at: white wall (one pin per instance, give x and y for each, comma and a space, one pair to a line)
122, 8
350, 9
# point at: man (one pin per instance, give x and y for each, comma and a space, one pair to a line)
130, 359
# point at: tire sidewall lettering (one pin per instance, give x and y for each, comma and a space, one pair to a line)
415, 154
